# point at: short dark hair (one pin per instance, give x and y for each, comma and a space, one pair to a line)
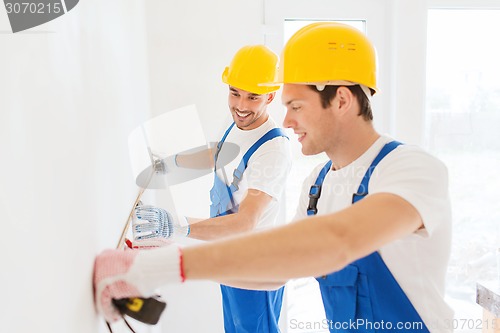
329, 93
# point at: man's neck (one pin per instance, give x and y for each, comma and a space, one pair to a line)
350, 149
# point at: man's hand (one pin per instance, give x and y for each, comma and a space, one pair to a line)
123, 274
154, 222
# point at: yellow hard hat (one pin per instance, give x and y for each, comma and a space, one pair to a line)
328, 53
252, 65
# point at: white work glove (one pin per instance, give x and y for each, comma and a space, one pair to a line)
154, 222
149, 243
133, 273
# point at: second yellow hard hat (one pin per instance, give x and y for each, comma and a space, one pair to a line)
252, 65
324, 53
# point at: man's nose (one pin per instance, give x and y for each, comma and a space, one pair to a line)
288, 121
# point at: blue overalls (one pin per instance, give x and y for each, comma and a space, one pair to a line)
245, 311
364, 296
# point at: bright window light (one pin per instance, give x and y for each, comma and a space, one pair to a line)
462, 129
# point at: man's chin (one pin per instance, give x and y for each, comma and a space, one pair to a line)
242, 124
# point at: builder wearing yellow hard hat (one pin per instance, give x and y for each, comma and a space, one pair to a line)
373, 222
250, 198
390, 206
247, 193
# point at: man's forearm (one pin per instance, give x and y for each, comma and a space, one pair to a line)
249, 213
312, 247
271, 256
220, 227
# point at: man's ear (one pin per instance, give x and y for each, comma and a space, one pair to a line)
345, 98
270, 97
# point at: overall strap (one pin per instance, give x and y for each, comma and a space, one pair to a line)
363, 186
315, 190
238, 172
219, 144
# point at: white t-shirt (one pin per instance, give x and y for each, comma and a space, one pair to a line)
419, 261
267, 169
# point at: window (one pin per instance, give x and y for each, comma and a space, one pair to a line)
462, 128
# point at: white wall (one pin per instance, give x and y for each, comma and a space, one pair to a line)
189, 45
70, 93
408, 47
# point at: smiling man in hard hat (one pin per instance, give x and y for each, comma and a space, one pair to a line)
248, 193
374, 222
